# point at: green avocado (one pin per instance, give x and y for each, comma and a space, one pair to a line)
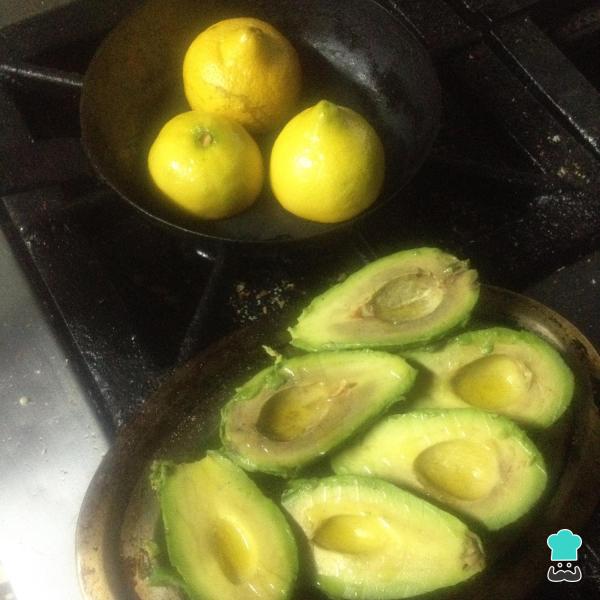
373, 541
403, 299
226, 540
475, 462
514, 373
297, 410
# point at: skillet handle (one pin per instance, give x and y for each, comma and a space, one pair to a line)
33, 75
27, 163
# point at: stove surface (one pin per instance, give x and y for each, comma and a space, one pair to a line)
512, 183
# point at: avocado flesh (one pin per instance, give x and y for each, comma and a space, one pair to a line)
371, 540
514, 373
477, 463
290, 414
406, 298
224, 537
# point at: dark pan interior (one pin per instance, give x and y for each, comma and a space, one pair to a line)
354, 53
180, 421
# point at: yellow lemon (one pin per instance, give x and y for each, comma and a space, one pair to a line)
243, 69
207, 164
327, 164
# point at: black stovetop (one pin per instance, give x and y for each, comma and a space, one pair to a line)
512, 183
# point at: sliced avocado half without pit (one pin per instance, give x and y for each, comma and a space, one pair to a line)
514, 373
477, 463
371, 540
226, 539
403, 299
297, 410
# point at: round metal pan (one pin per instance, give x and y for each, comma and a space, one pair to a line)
355, 53
180, 420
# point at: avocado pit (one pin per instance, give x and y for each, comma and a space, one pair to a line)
492, 382
352, 534
460, 468
291, 412
409, 297
234, 551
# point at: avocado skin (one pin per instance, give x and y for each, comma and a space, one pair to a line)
546, 364
316, 326
342, 578
385, 451
221, 488
382, 380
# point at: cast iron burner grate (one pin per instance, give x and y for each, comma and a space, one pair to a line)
512, 182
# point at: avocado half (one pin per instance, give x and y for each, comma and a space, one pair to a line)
403, 299
297, 410
226, 539
371, 540
514, 373
478, 463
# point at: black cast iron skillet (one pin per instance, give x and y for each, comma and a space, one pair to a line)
355, 53
120, 513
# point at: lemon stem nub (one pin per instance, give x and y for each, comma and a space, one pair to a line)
327, 110
204, 138
251, 31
